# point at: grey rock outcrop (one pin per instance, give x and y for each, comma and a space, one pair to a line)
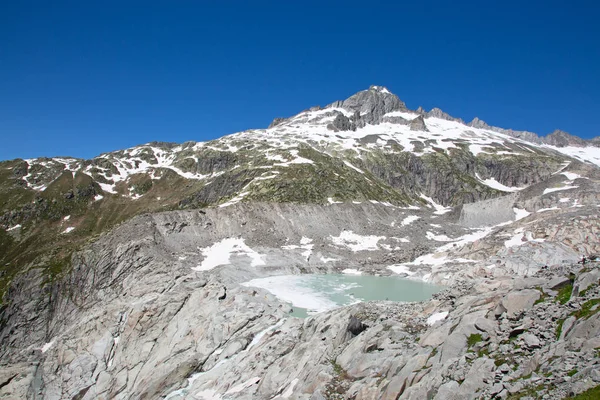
438, 113
560, 138
418, 124
372, 104
478, 123
341, 123
276, 121
528, 136
488, 212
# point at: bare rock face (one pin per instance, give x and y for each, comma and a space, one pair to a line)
418, 124
521, 301
478, 123
438, 113
560, 138
341, 123
277, 121
355, 326
372, 104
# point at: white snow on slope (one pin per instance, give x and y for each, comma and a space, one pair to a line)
235, 200
494, 184
400, 269
516, 240
305, 244
356, 242
433, 318
440, 256
520, 238
439, 209
550, 190
68, 230
47, 346
438, 238
12, 228
548, 209
296, 160
262, 333
220, 253
353, 167
571, 175
351, 271
408, 220
586, 154
520, 213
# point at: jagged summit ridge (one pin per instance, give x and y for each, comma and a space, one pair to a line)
378, 105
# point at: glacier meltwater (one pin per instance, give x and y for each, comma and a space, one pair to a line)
314, 293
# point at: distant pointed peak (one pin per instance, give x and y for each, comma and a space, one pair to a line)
438, 113
561, 138
478, 123
560, 132
371, 104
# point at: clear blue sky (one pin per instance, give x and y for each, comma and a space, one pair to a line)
84, 77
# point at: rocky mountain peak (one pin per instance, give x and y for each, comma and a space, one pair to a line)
478, 123
438, 113
371, 104
563, 139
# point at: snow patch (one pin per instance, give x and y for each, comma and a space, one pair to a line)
548, 209
47, 346
520, 213
326, 260
439, 209
571, 175
353, 167
356, 242
408, 220
433, 318
262, 333
550, 190
351, 271
220, 252
68, 230
400, 269
494, 184
438, 238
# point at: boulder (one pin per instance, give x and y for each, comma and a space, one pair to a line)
519, 301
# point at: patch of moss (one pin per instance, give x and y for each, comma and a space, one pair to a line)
587, 309
584, 292
527, 392
473, 339
590, 394
559, 326
483, 352
543, 296
564, 294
